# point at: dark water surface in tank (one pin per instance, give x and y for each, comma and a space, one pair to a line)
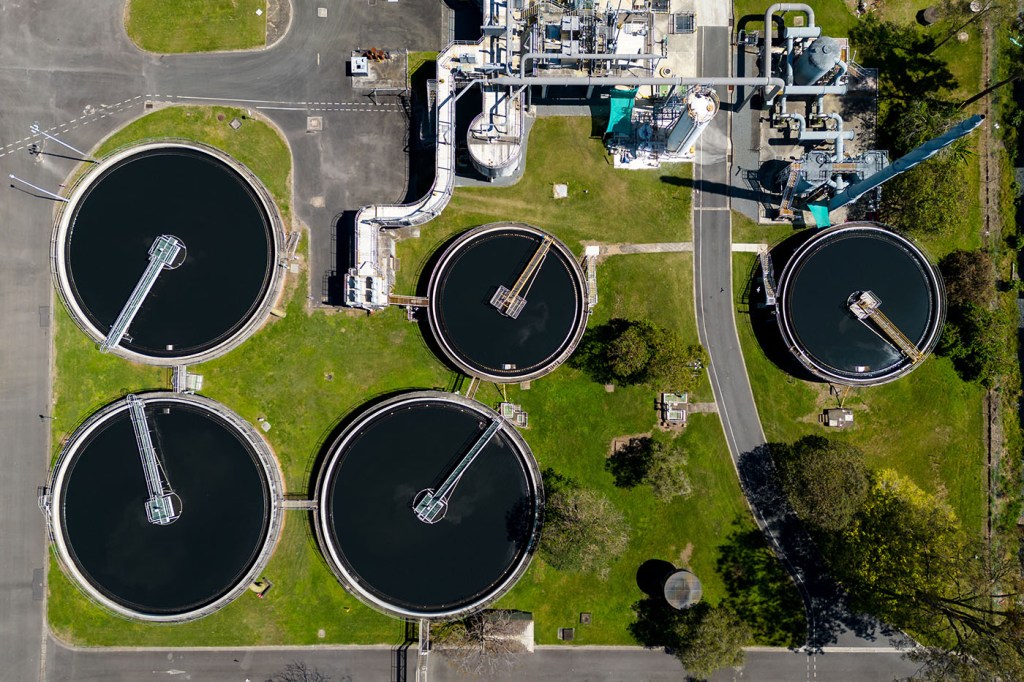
195, 560
226, 233
483, 337
820, 289
409, 563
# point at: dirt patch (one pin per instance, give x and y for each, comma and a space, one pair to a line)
619, 442
684, 556
278, 17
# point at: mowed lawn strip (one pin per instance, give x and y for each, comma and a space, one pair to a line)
169, 26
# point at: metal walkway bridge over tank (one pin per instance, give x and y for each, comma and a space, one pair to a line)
431, 505
163, 255
510, 302
163, 506
866, 307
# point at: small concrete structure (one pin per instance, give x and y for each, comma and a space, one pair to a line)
674, 408
838, 418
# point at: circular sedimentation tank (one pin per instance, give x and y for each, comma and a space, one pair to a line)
417, 557
500, 340
833, 279
223, 280
223, 485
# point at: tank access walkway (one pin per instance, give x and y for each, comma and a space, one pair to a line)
510, 302
166, 253
432, 505
866, 307
161, 507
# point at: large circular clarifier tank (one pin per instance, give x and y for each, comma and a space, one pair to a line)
221, 215
369, 513
828, 273
475, 335
225, 486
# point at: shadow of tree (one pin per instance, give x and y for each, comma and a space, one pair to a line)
630, 464
759, 590
658, 625
830, 614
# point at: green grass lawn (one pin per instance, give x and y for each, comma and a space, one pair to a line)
167, 26
304, 372
927, 425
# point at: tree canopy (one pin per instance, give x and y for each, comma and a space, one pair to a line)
711, 638
825, 480
657, 463
976, 329
583, 530
630, 352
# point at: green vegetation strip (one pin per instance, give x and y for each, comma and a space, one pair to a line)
304, 372
168, 26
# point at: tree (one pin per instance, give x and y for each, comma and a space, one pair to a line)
927, 199
970, 279
298, 671
659, 464
480, 645
906, 560
975, 339
825, 480
666, 471
583, 530
711, 638
630, 352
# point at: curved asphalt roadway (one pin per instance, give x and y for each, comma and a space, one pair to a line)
69, 66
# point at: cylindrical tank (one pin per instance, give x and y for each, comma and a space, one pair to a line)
214, 207
226, 488
830, 333
820, 57
701, 106
394, 553
512, 346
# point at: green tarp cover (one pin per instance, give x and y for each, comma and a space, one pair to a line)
820, 214
620, 118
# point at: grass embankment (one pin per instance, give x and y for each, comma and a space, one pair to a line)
306, 371
168, 26
928, 425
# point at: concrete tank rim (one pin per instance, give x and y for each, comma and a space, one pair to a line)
471, 146
322, 525
568, 345
936, 290
268, 466
68, 210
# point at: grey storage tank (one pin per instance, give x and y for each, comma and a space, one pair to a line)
820, 57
